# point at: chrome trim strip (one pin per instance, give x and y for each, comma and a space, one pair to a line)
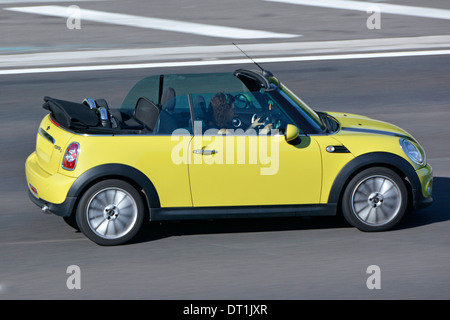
46, 135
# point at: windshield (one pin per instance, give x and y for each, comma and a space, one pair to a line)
303, 108
240, 100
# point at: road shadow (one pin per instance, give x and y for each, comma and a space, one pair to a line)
155, 230
439, 211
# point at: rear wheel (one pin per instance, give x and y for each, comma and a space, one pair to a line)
376, 199
110, 212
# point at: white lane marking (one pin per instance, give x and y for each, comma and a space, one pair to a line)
226, 62
364, 6
137, 55
154, 23
43, 1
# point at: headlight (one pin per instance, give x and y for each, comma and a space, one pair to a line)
412, 151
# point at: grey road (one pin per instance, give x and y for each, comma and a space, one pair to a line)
281, 259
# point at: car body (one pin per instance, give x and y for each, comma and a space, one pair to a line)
163, 156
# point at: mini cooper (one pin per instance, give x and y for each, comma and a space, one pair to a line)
219, 145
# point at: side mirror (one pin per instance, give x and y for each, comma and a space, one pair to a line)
292, 134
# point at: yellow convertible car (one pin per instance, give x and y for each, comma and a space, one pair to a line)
219, 145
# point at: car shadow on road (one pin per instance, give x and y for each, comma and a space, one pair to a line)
439, 211
155, 230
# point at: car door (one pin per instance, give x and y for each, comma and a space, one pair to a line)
252, 168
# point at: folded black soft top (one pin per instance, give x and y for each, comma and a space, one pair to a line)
71, 114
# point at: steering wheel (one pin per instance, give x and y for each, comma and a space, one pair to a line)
265, 118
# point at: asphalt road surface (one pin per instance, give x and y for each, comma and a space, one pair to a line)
281, 259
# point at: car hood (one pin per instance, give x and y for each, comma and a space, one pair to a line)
361, 124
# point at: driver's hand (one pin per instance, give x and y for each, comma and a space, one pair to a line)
256, 123
266, 129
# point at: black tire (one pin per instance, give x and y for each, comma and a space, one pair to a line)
111, 212
376, 199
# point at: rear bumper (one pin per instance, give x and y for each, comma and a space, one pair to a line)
60, 209
48, 190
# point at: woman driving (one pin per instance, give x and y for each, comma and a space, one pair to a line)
222, 106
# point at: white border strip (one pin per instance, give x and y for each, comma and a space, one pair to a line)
225, 62
220, 52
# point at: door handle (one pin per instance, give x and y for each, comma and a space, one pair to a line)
205, 152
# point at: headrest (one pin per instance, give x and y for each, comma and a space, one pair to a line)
168, 100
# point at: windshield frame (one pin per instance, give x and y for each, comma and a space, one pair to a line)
312, 117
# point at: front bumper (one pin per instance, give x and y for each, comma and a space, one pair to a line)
423, 191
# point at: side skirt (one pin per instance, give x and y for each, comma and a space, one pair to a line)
201, 213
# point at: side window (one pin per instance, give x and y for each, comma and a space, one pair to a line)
238, 112
175, 113
147, 88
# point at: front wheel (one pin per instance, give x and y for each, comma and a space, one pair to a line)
376, 199
110, 212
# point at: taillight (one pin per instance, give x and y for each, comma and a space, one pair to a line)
71, 156
34, 190
54, 122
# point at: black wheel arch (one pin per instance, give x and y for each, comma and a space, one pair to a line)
382, 159
114, 171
